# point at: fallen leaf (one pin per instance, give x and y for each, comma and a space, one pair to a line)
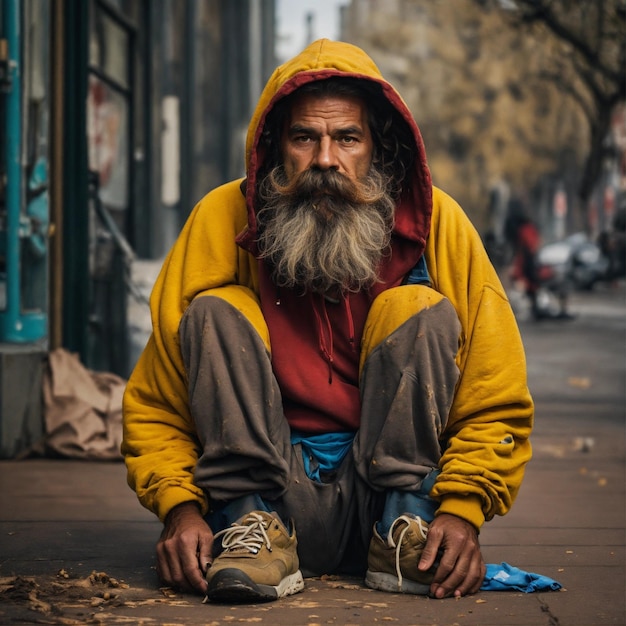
582, 382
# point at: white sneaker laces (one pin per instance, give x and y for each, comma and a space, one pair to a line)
423, 529
250, 535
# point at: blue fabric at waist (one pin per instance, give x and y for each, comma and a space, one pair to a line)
327, 449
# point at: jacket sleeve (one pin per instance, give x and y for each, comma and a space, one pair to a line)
159, 443
486, 440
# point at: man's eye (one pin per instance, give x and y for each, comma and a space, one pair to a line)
302, 138
348, 140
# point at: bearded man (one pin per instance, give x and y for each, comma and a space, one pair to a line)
335, 382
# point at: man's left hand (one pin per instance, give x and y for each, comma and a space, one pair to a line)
461, 569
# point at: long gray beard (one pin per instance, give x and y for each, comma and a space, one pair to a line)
323, 232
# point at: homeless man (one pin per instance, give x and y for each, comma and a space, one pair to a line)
335, 381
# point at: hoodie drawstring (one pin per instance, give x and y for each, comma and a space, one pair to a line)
346, 302
326, 349
325, 329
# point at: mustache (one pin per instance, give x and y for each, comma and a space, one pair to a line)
315, 184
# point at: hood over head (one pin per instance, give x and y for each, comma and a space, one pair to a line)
321, 60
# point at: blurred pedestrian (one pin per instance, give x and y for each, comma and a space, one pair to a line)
537, 279
616, 246
525, 267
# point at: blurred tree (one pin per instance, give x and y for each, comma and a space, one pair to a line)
503, 102
586, 60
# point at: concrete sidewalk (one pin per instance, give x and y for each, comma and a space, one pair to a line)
77, 548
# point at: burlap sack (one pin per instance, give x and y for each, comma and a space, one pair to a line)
82, 409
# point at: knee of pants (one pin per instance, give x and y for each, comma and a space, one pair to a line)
240, 298
394, 307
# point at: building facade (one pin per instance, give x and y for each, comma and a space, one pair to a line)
117, 116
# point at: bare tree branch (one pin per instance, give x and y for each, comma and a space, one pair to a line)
541, 11
592, 54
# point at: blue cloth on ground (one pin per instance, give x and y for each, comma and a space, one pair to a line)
322, 453
505, 577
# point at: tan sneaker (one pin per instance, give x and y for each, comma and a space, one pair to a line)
392, 563
259, 562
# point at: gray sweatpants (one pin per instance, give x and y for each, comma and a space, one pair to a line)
407, 384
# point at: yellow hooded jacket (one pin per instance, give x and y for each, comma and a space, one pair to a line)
486, 445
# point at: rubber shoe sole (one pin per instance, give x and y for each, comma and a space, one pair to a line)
234, 586
388, 582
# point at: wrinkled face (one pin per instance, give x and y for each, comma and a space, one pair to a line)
327, 133
326, 215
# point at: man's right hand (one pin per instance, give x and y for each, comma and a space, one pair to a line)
185, 549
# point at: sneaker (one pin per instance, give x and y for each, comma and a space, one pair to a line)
392, 562
259, 562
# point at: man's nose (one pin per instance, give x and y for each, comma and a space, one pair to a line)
326, 157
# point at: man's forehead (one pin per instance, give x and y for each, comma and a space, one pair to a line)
310, 106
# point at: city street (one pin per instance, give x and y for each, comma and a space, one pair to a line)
77, 548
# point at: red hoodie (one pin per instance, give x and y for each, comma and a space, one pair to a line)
316, 361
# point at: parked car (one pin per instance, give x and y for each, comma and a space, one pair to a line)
575, 262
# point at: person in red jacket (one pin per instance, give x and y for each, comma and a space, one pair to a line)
532, 274
335, 381
525, 268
